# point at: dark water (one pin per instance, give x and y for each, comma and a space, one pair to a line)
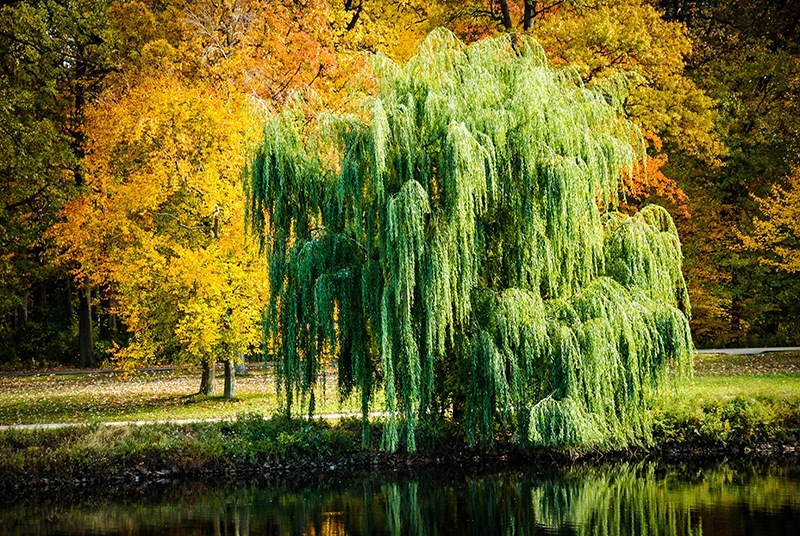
620, 499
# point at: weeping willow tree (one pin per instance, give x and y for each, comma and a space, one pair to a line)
457, 245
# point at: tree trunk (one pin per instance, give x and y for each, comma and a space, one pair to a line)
85, 336
529, 15
77, 128
41, 302
240, 367
505, 14
70, 309
107, 318
208, 382
24, 319
230, 380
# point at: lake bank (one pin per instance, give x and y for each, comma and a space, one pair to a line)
129, 456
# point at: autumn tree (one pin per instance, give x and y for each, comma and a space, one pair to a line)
457, 244
772, 236
163, 220
745, 58
163, 226
775, 231
478, 18
390, 27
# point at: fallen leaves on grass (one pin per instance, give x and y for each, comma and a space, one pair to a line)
747, 365
162, 395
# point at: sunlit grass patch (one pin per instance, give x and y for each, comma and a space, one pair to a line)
766, 387
163, 395
758, 400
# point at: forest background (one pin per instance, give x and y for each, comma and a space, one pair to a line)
125, 127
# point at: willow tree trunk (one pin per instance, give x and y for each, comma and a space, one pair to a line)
230, 380
85, 336
208, 382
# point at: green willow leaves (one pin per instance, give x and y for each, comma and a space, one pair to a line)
458, 245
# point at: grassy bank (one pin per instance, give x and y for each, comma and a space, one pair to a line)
731, 407
747, 402
136, 453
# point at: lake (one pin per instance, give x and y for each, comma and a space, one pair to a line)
618, 499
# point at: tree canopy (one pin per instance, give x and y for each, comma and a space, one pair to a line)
457, 243
168, 237
712, 85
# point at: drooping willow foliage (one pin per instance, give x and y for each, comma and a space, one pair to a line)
457, 245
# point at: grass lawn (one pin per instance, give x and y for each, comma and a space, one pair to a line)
720, 378
740, 404
761, 387
770, 382
161, 395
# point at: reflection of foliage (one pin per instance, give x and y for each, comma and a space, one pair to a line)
623, 499
468, 223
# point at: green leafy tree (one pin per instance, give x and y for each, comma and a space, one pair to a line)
457, 243
53, 62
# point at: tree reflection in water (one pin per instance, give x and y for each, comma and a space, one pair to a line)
613, 500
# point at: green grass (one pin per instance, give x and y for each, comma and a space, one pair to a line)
733, 400
165, 395
730, 400
729, 404
724, 388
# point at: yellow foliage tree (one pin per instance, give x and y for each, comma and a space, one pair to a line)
160, 227
775, 232
163, 224
394, 28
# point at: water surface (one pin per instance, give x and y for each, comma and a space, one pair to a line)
619, 499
